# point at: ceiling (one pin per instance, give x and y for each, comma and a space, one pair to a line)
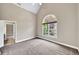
32, 7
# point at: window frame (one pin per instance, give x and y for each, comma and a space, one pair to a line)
49, 24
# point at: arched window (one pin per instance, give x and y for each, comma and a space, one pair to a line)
49, 26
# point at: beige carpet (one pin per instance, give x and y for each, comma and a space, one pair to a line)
37, 47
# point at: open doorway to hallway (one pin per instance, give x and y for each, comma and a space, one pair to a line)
10, 33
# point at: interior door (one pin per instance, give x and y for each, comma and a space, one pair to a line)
2, 31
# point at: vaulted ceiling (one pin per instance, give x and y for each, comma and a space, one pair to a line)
32, 7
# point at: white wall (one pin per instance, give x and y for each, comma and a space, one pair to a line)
26, 21
67, 21
78, 24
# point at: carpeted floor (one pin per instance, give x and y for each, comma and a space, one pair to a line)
37, 47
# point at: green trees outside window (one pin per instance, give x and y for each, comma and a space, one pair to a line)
45, 29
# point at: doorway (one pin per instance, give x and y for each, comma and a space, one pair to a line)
10, 35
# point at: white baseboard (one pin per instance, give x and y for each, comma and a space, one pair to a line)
74, 47
17, 41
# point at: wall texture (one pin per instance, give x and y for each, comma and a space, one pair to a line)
67, 21
26, 21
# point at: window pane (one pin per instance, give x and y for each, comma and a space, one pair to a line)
45, 28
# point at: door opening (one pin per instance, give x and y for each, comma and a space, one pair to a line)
10, 36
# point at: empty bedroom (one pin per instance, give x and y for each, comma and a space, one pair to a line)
39, 28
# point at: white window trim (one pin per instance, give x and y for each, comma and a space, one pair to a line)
44, 19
